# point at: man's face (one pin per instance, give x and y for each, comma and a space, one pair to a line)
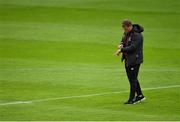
127, 28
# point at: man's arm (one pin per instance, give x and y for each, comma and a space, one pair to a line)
136, 40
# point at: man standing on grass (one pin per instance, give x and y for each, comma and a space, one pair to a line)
131, 48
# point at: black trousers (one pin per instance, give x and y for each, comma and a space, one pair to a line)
132, 74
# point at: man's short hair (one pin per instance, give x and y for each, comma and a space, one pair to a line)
126, 23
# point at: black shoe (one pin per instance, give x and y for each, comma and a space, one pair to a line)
129, 102
139, 98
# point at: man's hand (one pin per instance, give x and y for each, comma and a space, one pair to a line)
118, 52
120, 46
119, 49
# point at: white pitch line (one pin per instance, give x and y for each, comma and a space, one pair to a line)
99, 69
82, 96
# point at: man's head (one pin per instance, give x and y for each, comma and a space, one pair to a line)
127, 26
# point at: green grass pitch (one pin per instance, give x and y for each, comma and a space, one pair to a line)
63, 48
